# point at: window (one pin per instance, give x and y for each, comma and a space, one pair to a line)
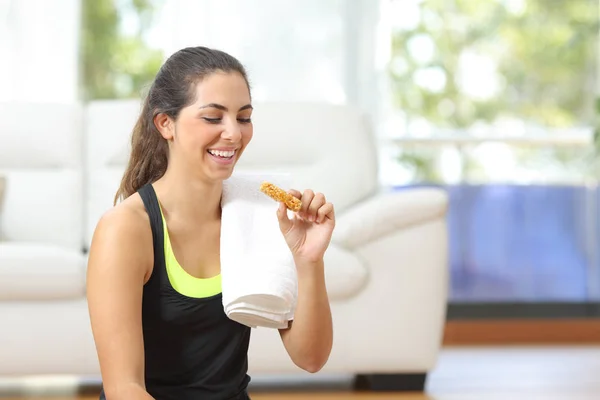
519, 70
293, 51
494, 100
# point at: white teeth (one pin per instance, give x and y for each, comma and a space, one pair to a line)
225, 154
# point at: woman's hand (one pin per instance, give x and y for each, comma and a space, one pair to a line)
308, 232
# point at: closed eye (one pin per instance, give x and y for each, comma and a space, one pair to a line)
218, 120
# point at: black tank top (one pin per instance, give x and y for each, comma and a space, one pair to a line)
192, 350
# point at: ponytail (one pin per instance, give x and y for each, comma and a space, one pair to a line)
148, 159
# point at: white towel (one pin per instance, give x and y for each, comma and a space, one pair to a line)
259, 280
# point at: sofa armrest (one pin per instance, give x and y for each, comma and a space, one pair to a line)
388, 212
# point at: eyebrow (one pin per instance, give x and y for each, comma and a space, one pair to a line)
223, 108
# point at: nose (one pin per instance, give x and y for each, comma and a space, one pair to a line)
232, 132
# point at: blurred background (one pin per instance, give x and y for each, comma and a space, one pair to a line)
495, 101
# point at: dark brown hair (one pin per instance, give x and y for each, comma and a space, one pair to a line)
172, 90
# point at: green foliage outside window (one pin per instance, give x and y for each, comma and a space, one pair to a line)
545, 55
113, 64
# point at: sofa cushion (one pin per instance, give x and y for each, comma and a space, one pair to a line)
345, 274
41, 158
31, 271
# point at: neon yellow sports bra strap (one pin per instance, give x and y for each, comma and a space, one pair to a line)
183, 282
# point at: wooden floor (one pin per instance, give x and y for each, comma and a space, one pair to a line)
473, 373
489, 332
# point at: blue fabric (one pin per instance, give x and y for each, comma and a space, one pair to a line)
523, 242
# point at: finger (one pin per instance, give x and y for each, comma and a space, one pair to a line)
317, 202
284, 221
326, 212
306, 198
295, 193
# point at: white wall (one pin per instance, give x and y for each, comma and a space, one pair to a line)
312, 50
319, 50
39, 42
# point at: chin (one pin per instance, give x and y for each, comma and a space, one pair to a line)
219, 175
222, 176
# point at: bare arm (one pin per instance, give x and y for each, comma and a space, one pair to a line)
120, 259
309, 338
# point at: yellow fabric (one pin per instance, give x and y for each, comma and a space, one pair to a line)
183, 282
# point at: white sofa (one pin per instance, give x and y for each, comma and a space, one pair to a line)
44, 326
386, 267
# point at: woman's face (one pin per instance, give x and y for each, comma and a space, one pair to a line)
210, 135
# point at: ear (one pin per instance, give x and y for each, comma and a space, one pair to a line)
165, 125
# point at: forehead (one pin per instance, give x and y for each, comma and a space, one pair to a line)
229, 89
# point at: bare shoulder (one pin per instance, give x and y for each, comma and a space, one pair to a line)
127, 215
120, 263
123, 239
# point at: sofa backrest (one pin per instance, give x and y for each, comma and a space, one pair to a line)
41, 157
324, 147
108, 130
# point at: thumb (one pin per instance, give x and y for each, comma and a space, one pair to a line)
284, 221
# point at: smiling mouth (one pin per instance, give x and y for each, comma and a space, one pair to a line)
224, 154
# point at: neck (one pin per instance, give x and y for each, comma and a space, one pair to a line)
189, 197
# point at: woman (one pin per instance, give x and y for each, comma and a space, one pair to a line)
153, 282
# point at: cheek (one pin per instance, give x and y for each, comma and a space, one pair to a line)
185, 131
247, 134
197, 134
